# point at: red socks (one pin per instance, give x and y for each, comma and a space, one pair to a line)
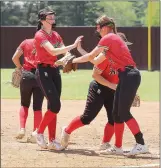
119, 129
108, 133
52, 128
48, 117
37, 119
23, 114
133, 126
75, 123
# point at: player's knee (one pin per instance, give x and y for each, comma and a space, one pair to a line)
117, 118
86, 120
25, 104
111, 122
127, 117
55, 107
37, 106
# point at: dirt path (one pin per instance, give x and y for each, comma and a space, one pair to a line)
82, 152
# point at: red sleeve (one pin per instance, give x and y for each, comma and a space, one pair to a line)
22, 46
105, 41
40, 38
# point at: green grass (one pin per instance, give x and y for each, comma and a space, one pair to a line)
75, 85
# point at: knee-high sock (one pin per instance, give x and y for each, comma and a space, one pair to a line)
118, 129
108, 133
23, 114
75, 124
37, 119
48, 117
133, 126
52, 128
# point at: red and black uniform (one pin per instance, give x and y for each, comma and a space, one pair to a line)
120, 59
28, 84
48, 74
49, 79
98, 96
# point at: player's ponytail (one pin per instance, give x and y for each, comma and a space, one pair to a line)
39, 26
114, 26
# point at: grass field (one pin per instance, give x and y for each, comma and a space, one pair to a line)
75, 85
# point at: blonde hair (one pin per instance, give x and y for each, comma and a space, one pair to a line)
106, 21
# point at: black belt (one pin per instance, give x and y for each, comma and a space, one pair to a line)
126, 68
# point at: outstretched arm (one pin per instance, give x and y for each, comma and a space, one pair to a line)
89, 56
57, 51
97, 60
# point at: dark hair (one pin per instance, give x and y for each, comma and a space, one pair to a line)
42, 16
114, 26
39, 26
106, 21
44, 12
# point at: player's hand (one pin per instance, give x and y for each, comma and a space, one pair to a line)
79, 47
78, 40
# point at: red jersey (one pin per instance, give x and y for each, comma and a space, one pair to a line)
42, 56
107, 72
117, 53
27, 47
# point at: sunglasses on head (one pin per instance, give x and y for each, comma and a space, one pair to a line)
106, 24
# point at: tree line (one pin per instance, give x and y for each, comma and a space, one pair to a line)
79, 13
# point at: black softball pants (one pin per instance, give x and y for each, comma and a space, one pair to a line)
49, 80
98, 96
129, 81
29, 87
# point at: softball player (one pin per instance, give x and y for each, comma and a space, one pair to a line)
28, 86
99, 95
48, 45
120, 59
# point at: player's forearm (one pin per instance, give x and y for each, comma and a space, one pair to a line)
16, 61
82, 59
62, 50
94, 61
16, 58
82, 51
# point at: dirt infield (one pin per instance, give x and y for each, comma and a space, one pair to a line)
82, 151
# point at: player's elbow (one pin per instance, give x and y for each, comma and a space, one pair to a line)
14, 59
91, 56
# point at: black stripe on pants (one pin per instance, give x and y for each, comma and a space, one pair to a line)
129, 81
49, 79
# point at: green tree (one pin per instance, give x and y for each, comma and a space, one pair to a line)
76, 13
122, 12
155, 19
140, 11
79, 13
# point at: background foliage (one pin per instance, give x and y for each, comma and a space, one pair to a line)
79, 13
